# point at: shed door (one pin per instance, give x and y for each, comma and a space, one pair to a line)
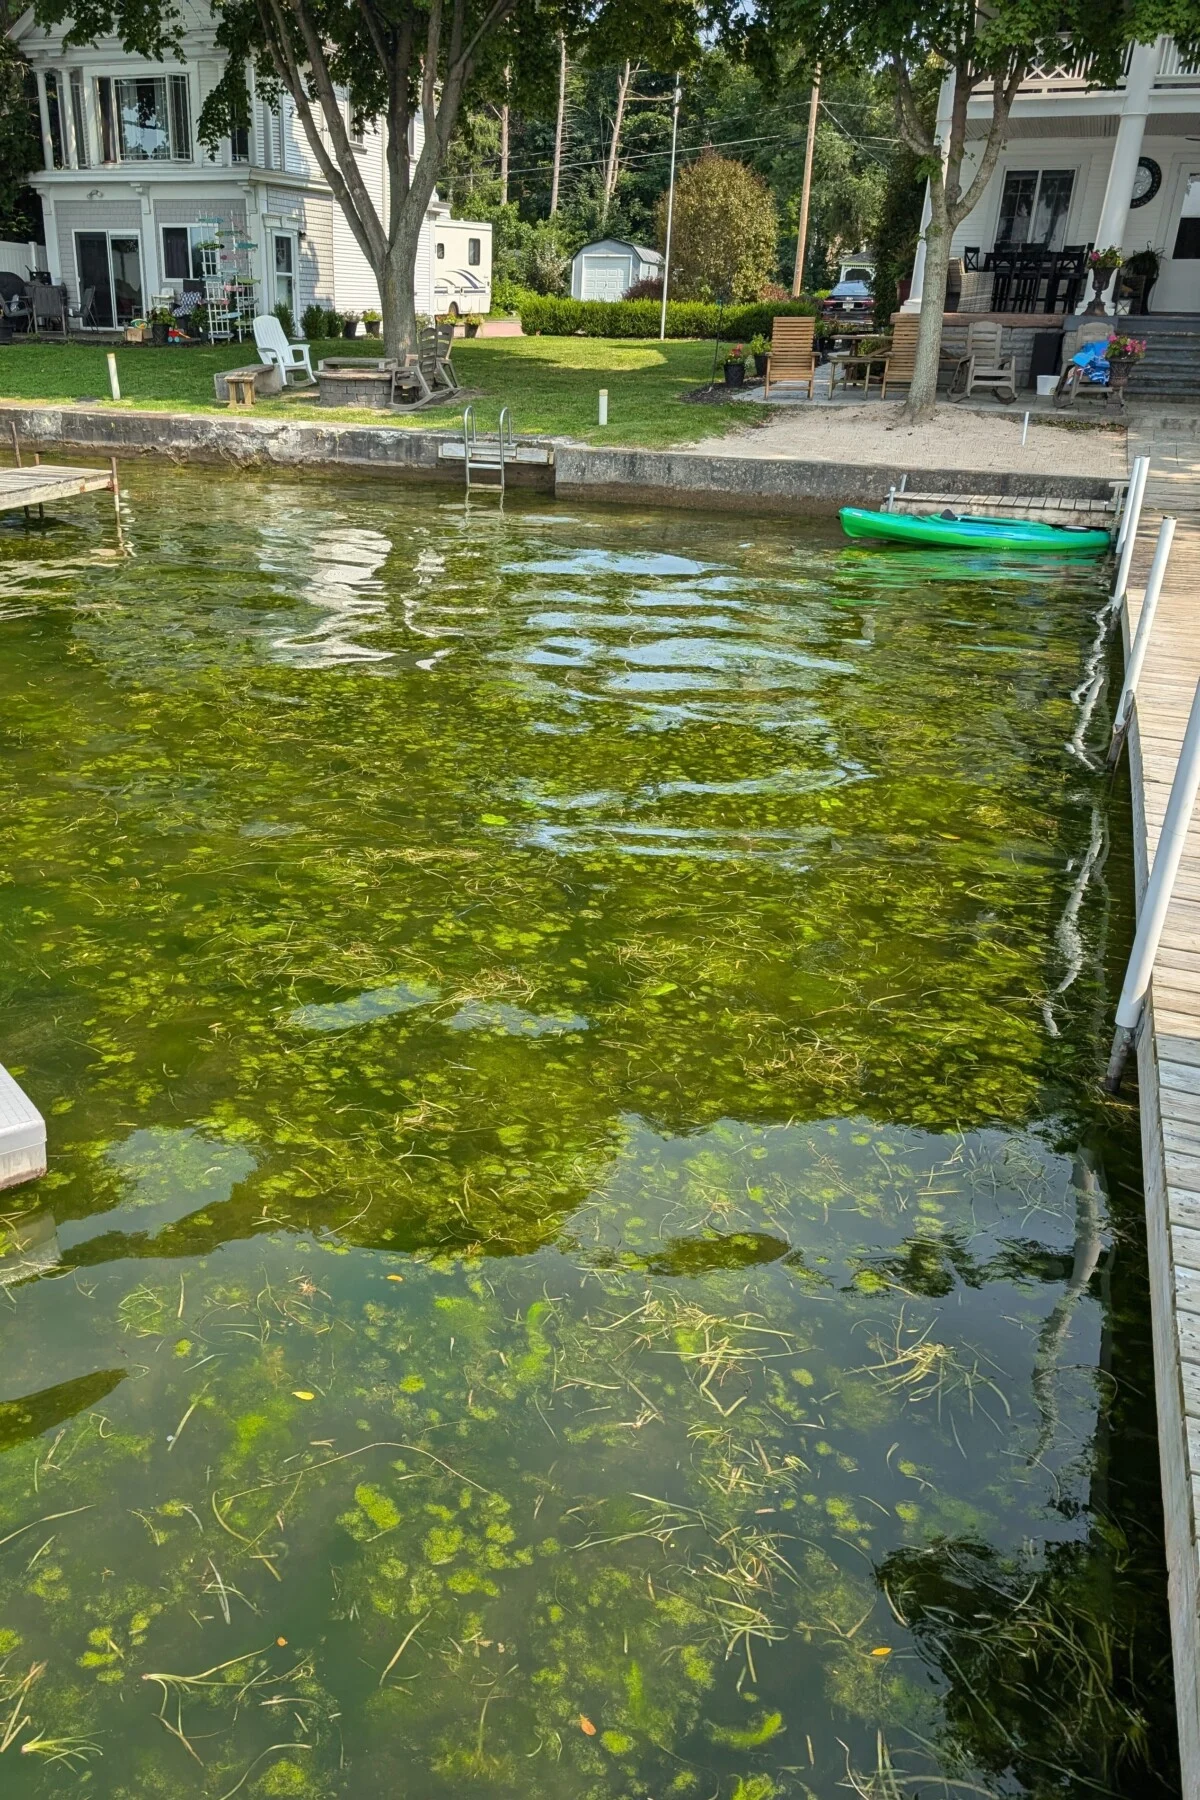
606, 277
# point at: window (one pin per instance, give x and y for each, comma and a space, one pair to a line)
187, 255
239, 144
473, 252
152, 119
441, 251
54, 113
1033, 208
78, 120
1187, 238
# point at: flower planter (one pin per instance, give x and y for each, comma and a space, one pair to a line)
158, 332
735, 374
1101, 280
760, 363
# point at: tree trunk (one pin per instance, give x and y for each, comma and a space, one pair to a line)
624, 83
504, 147
396, 278
922, 393
558, 129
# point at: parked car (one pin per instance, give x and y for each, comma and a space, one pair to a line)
851, 301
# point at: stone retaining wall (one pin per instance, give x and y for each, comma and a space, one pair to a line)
682, 478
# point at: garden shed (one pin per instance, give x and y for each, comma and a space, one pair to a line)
606, 269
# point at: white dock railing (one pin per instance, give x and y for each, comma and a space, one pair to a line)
1176, 821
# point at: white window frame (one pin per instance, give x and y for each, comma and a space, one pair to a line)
1014, 165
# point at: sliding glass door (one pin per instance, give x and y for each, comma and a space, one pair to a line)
109, 263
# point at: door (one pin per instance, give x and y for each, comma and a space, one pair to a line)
284, 268
110, 263
606, 277
1178, 286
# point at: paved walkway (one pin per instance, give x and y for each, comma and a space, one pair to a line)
1169, 1046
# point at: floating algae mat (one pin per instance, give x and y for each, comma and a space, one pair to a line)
580, 1258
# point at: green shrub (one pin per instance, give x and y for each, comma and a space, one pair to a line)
312, 323
333, 324
283, 313
549, 316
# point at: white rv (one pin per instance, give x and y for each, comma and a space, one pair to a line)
462, 266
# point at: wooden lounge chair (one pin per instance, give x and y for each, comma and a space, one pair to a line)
429, 377
791, 358
902, 358
985, 365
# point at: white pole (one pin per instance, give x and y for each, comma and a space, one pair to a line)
1153, 915
604, 406
1129, 487
1141, 638
1133, 505
662, 324
114, 384
1025, 431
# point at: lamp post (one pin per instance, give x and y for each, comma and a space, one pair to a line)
662, 324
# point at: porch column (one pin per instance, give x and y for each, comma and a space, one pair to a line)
941, 136
1114, 213
44, 115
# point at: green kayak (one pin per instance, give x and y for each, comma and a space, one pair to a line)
967, 531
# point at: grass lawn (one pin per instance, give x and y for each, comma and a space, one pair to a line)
549, 384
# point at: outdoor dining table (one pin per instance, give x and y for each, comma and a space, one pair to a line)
847, 361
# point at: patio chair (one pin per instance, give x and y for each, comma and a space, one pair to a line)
48, 306
429, 377
901, 363
790, 362
292, 360
83, 314
985, 365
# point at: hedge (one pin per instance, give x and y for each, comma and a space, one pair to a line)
550, 316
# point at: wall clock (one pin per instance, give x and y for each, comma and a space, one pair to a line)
1146, 181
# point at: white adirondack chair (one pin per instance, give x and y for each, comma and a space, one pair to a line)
274, 349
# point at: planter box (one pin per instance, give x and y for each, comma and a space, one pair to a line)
267, 380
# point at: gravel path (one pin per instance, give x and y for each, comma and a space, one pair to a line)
953, 439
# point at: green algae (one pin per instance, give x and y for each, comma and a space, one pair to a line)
560, 1172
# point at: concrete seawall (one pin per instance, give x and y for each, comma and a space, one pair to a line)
677, 478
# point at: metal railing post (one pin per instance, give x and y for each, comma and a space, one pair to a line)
1123, 513
1133, 513
1152, 917
1141, 640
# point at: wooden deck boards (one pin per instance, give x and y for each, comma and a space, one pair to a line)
44, 483
1169, 1073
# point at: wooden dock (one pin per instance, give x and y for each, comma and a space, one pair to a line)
1047, 509
44, 483
22, 1134
1169, 1063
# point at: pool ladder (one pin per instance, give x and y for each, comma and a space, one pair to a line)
488, 455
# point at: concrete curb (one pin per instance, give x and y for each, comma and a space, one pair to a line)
677, 478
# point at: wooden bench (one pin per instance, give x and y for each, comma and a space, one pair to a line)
240, 385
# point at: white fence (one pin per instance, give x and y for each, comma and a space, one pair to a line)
18, 259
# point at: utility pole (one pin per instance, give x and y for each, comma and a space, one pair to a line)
504, 143
662, 325
806, 186
558, 129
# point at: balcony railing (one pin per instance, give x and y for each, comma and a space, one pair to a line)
1174, 68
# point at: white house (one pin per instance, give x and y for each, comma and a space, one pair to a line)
135, 209
1085, 166
606, 269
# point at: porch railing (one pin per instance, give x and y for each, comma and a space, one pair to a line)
1176, 68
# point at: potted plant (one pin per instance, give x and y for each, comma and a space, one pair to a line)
760, 350
371, 322
735, 366
161, 321
198, 321
1103, 265
1138, 276
350, 325
1122, 352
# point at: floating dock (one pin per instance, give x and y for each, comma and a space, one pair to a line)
22, 1134
45, 483
1169, 1084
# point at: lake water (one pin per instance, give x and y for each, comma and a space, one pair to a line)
582, 1257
